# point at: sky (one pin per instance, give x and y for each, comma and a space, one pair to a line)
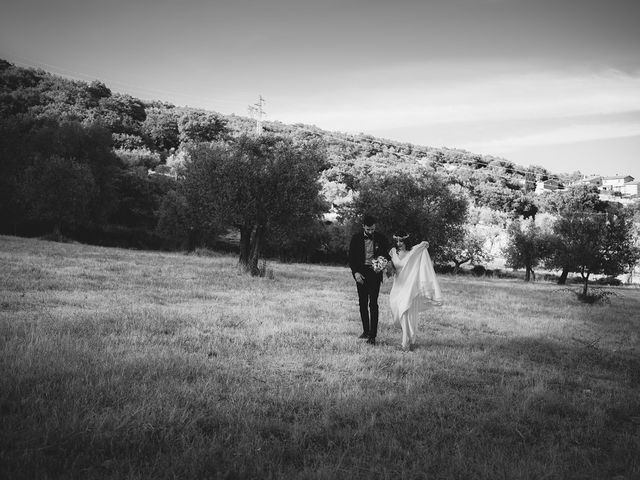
554, 83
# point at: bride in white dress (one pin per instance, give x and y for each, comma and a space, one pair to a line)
415, 286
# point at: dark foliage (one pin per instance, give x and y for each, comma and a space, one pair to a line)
84, 162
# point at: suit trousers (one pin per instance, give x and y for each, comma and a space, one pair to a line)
368, 299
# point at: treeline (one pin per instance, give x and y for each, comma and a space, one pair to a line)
81, 162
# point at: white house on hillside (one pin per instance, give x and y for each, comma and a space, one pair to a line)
547, 186
591, 180
615, 184
631, 188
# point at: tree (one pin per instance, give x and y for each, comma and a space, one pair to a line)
94, 92
199, 126
501, 166
88, 145
121, 113
596, 242
174, 224
495, 195
138, 200
14, 153
528, 246
59, 190
572, 207
54, 175
525, 207
417, 201
469, 247
161, 127
623, 242
255, 184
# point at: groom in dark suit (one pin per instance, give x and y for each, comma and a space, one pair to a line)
364, 247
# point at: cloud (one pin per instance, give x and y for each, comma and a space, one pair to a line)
427, 97
556, 136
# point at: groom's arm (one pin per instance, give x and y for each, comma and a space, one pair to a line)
353, 256
385, 247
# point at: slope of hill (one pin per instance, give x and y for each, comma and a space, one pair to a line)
75, 156
158, 127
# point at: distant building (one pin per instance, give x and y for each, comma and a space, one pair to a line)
616, 183
619, 188
594, 180
631, 188
548, 186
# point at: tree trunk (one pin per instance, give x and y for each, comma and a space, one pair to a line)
459, 263
245, 248
529, 274
57, 232
192, 240
563, 277
256, 248
586, 284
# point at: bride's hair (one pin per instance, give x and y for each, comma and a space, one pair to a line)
403, 236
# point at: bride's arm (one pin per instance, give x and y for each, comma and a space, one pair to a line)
395, 260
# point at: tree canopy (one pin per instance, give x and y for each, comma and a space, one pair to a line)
259, 185
102, 165
418, 202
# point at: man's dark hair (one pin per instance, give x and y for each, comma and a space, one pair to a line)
368, 220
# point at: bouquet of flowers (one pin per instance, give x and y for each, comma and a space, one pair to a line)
379, 264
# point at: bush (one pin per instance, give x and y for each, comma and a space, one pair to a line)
139, 157
443, 268
478, 271
119, 236
595, 296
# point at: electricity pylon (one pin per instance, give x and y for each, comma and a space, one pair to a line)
256, 111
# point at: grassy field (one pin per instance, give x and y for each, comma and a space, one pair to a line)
132, 364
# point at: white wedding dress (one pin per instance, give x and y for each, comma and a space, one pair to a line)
415, 286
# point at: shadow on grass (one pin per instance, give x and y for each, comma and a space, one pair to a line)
580, 356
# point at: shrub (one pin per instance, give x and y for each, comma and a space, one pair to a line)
595, 296
478, 271
443, 268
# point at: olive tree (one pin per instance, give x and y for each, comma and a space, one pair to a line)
595, 242
417, 201
527, 247
256, 184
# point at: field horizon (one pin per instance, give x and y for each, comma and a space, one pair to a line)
137, 364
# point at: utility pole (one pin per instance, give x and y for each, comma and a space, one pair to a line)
256, 111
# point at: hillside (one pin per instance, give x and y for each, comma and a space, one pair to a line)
80, 161
158, 127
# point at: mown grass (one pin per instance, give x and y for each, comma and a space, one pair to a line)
129, 364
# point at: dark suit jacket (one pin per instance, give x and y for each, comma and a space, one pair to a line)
356, 251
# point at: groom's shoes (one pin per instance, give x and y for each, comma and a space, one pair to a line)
371, 341
364, 335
